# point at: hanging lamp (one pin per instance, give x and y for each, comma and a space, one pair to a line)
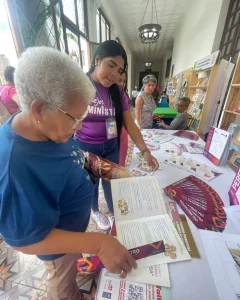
149, 33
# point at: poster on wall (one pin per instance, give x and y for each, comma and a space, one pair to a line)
170, 88
206, 62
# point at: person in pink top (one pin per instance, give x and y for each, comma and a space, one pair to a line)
107, 114
124, 135
8, 92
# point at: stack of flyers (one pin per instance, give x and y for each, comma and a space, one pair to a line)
192, 148
187, 164
142, 169
172, 148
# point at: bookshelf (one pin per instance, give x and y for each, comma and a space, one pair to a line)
231, 111
182, 86
201, 84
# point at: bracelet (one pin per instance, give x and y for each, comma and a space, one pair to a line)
145, 150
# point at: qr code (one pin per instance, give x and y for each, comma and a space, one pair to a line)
135, 292
107, 295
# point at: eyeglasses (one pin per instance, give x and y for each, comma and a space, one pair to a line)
77, 121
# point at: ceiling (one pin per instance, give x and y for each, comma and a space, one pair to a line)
128, 15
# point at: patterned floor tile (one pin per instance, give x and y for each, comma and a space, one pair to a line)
36, 275
88, 285
13, 264
24, 292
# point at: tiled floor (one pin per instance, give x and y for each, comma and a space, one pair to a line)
24, 276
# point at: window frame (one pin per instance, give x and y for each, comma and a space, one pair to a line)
226, 39
107, 23
74, 28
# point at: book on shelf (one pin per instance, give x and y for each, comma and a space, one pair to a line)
238, 108
202, 81
196, 109
217, 146
195, 124
234, 151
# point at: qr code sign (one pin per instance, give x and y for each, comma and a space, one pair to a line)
135, 292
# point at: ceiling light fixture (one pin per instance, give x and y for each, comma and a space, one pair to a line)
149, 33
148, 65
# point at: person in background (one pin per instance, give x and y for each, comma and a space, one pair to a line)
145, 103
164, 97
181, 120
135, 93
8, 92
124, 135
109, 108
156, 94
46, 200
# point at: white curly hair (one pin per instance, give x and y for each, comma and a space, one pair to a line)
47, 74
148, 78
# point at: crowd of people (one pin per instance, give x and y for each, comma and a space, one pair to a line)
46, 194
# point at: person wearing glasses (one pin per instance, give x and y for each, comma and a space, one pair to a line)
45, 193
145, 103
110, 104
181, 120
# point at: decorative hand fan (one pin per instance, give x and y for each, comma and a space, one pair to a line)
187, 135
103, 168
200, 202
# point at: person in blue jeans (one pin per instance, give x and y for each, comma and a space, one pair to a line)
110, 105
45, 192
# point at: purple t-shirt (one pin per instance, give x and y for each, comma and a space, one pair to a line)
93, 129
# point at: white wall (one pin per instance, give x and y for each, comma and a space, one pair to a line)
200, 32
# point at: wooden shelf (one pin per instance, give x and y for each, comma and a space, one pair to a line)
231, 112
236, 85
204, 70
198, 87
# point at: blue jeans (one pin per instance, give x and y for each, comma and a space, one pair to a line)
108, 150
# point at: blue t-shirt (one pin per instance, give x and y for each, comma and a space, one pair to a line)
43, 186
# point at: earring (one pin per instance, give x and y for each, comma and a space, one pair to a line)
38, 122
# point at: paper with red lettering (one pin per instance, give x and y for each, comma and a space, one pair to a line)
112, 287
234, 192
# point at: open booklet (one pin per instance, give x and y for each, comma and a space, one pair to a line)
141, 218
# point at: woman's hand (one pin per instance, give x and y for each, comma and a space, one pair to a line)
151, 160
115, 256
161, 123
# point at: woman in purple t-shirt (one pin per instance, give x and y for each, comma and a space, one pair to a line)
107, 113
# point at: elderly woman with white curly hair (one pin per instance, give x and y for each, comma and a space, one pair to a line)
45, 192
145, 104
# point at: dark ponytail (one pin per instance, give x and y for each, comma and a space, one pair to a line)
112, 48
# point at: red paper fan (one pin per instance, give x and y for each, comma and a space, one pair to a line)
200, 202
187, 135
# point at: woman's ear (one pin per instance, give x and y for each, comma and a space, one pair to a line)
97, 60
